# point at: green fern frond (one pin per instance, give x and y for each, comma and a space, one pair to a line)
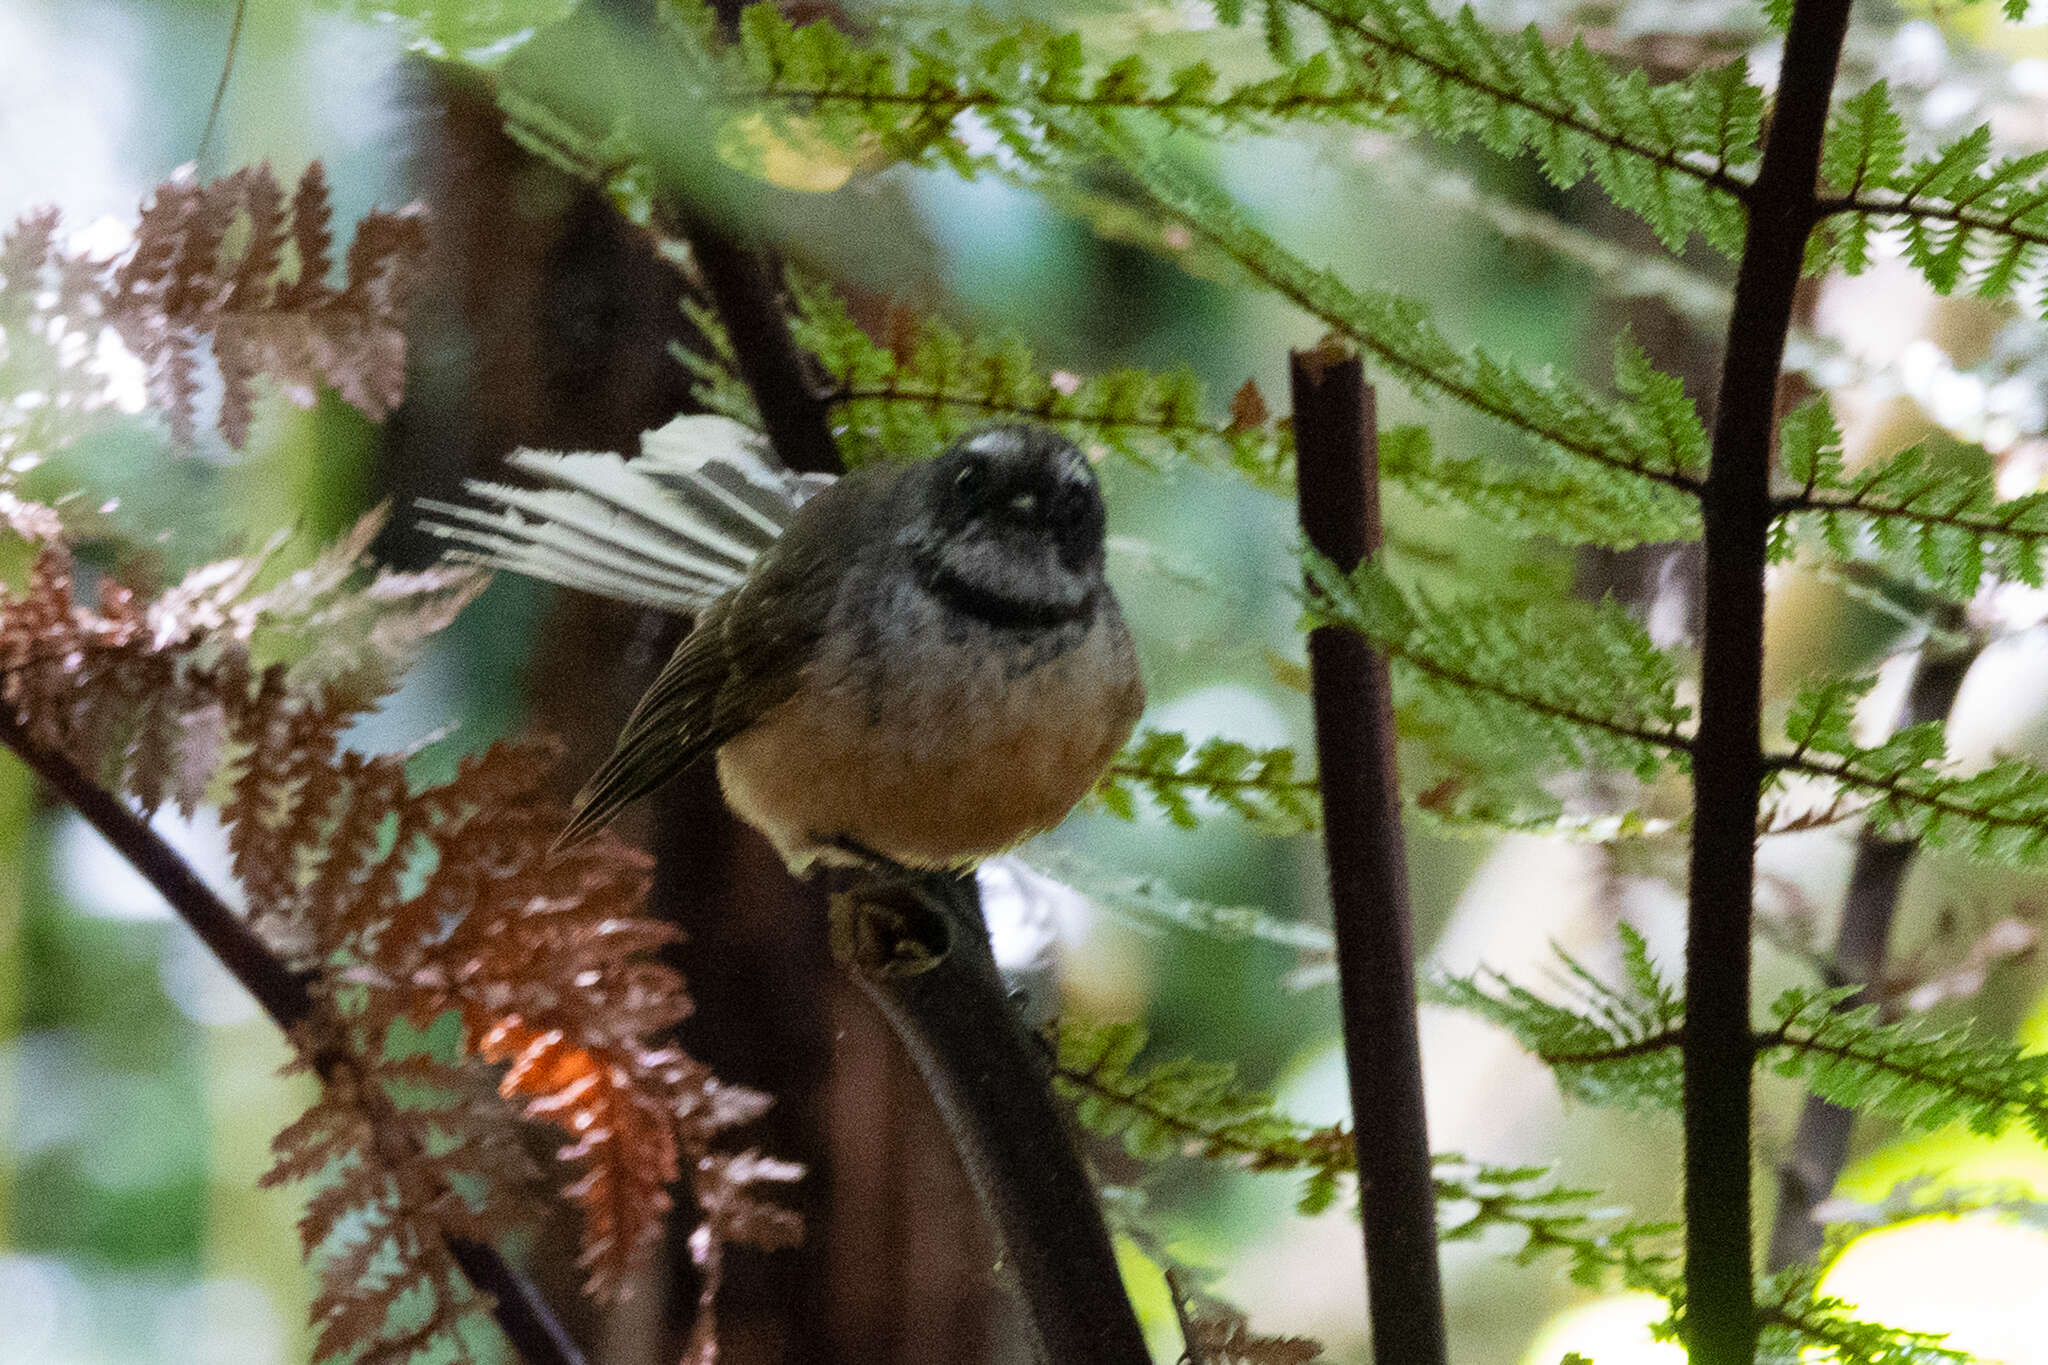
1609, 1045
1998, 814
1508, 679
1907, 1071
1799, 1324
1652, 433
1542, 494
937, 384
1184, 1107
1671, 153
1486, 810
1262, 785
1940, 516
1966, 217
1475, 1200
815, 83
1188, 1108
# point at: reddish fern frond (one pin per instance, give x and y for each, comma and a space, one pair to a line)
50, 320
1215, 1333
209, 263
409, 903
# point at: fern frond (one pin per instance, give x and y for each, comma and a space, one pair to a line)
1965, 216
1800, 1323
1152, 904
1216, 1333
390, 1165
1539, 493
1599, 1245
1651, 433
1259, 784
1998, 813
1508, 678
1940, 516
1190, 1108
1609, 1045
411, 903
1907, 1071
51, 390
183, 282
1674, 153
904, 104
931, 385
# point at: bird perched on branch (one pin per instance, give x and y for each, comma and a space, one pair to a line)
918, 664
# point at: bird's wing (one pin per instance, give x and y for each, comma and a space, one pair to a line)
675, 529
676, 723
745, 657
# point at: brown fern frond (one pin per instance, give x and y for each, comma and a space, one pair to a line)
408, 903
311, 240
1217, 1334
50, 318
208, 263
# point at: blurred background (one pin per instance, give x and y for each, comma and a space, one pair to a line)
138, 1088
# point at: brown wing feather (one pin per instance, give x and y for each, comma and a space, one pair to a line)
675, 724
744, 658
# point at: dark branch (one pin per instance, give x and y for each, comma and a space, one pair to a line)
284, 995
1336, 438
794, 409
1720, 1323
922, 956
1820, 1146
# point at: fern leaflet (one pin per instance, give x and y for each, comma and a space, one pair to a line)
1941, 517
1671, 153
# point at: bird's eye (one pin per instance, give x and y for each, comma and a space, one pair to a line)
970, 481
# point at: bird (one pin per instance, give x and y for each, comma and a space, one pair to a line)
915, 666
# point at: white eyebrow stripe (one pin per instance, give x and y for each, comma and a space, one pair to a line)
996, 443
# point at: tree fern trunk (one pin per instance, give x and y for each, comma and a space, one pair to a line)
1728, 765
1336, 440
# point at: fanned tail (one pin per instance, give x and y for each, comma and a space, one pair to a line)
672, 529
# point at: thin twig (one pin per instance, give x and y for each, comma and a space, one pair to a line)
220, 91
1720, 1322
1820, 1146
284, 994
1337, 475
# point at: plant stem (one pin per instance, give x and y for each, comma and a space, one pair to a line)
1337, 453
1820, 1146
285, 996
932, 975
794, 413
1728, 768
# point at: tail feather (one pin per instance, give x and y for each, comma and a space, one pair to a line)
674, 528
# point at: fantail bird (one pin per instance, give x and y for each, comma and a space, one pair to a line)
918, 664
